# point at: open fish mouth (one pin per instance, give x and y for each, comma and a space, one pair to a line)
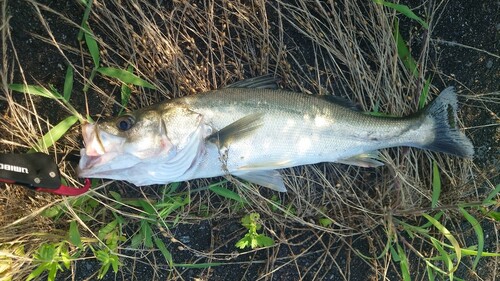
93, 143
91, 163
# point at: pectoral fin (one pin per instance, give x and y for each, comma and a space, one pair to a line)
236, 130
366, 160
270, 178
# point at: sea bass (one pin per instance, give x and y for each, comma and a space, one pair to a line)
251, 129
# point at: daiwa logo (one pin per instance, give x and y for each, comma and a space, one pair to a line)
13, 168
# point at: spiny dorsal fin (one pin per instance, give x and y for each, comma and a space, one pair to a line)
236, 130
259, 82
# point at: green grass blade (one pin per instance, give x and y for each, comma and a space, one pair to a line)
469, 252
436, 184
479, 233
34, 90
445, 257
37, 272
124, 76
437, 216
424, 94
405, 271
405, 10
54, 134
403, 51
68, 83
163, 249
92, 45
125, 92
450, 238
88, 6
224, 192
494, 193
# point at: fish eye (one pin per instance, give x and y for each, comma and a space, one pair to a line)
125, 122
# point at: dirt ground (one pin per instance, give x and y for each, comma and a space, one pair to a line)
467, 34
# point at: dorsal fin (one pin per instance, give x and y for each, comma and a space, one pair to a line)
260, 82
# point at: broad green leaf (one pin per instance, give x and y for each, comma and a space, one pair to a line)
244, 242
124, 76
224, 192
325, 222
264, 241
436, 184
117, 196
479, 233
147, 233
34, 90
74, 234
52, 212
147, 207
92, 45
136, 240
448, 236
163, 249
47, 252
107, 229
405, 10
54, 134
68, 83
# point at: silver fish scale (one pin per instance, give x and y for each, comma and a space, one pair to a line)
297, 129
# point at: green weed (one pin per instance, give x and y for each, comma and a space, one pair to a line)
51, 258
253, 239
405, 10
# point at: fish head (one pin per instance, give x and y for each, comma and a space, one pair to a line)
134, 146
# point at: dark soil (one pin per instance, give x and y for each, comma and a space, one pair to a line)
471, 23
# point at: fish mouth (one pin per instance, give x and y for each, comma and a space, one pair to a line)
90, 163
92, 140
94, 157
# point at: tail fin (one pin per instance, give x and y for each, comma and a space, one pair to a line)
448, 138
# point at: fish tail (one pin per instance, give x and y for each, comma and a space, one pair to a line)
447, 137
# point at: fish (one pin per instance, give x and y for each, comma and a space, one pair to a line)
251, 130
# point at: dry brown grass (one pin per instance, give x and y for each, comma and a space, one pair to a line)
339, 47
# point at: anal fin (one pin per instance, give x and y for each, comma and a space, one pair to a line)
366, 160
269, 178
